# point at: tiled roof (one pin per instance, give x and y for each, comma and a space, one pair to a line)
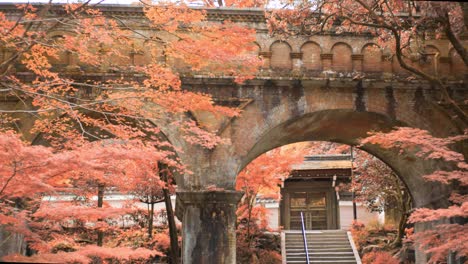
322, 162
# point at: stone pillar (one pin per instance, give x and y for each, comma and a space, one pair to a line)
208, 226
296, 61
357, 62
387, 70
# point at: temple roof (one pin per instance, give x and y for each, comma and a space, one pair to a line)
325, 162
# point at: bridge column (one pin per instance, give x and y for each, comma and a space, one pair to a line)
296, 61
387, 71
208, 226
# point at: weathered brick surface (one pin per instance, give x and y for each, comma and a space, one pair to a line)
311, 56
280, 56
342, 58
372, 59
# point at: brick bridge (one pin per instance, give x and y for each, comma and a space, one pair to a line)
326, 87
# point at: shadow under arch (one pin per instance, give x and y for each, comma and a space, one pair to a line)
347, 127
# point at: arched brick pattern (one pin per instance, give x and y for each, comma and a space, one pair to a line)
311, 56
372, 58
280, 55
255, 49
342, 58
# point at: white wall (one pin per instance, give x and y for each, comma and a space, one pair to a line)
346, 214
363, 215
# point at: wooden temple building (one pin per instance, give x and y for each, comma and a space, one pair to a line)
312, 188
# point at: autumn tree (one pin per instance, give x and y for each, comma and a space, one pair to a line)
71, 109
30, 173
450, 233
50, 57
378, 187
262, 178
401, 28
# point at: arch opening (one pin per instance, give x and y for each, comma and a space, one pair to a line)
347, 127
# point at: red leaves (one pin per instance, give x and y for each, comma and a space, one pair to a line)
84, 255
428, 215
379, 257
71, 111
444, 238
419, 141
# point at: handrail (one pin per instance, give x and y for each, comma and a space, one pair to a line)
305, 239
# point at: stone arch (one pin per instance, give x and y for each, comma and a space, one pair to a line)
311, 56
257, 47
346, 126
342, 61
458, 67
280, 55
372, 58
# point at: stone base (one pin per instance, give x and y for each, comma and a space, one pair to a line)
208, 226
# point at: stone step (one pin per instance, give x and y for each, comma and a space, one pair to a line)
316, 244
321, 253
322, 261
323, 247
341, 240
317, 239
317, 250
320, 258
317, 235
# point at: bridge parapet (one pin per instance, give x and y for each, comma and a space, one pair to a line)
322, 55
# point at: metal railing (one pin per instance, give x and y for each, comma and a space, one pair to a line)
305, 238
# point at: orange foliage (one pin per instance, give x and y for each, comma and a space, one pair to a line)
73, 108
379, 257
72, 111
85, 255
445, 238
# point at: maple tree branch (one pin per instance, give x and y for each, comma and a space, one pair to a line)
457, 45
9, 178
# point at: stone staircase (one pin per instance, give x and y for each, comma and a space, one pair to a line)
324, 246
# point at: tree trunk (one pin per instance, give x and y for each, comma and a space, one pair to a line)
100, 202
405, 204
171, 221
150, 221
249, 208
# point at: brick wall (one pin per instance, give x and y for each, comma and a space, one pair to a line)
311, 56
372, 59
341, 61
280, 56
